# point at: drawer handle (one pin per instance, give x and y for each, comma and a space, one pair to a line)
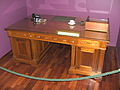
55, 39
25, 35
73, 41
30, 35
17, 34
82, 42
38, 36
46, 37
64, 40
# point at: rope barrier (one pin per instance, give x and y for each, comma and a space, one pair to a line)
70, 79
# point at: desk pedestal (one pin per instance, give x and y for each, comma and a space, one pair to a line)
29, 51
86, 61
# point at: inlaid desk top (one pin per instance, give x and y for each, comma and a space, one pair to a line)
52, 26
48, 31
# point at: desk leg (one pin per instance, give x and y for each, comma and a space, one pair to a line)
101, 60
39, 49
35, 52
73, 54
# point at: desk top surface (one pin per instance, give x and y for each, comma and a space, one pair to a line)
55, 24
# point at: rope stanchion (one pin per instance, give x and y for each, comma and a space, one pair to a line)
70, 79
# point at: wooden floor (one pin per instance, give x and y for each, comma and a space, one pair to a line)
55, 65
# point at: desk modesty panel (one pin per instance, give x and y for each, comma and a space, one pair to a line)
30, 42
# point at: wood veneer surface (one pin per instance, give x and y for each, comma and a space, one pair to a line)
52, 26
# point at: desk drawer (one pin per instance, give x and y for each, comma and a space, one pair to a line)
18, 34
57, 39
69, 40
89, 43
42, 37
49, 38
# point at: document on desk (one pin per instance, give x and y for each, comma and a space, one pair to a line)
63, 18
74, 34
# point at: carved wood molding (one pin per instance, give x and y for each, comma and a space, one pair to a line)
60, 39
88, 50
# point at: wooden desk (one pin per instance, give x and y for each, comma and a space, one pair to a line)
28, 42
